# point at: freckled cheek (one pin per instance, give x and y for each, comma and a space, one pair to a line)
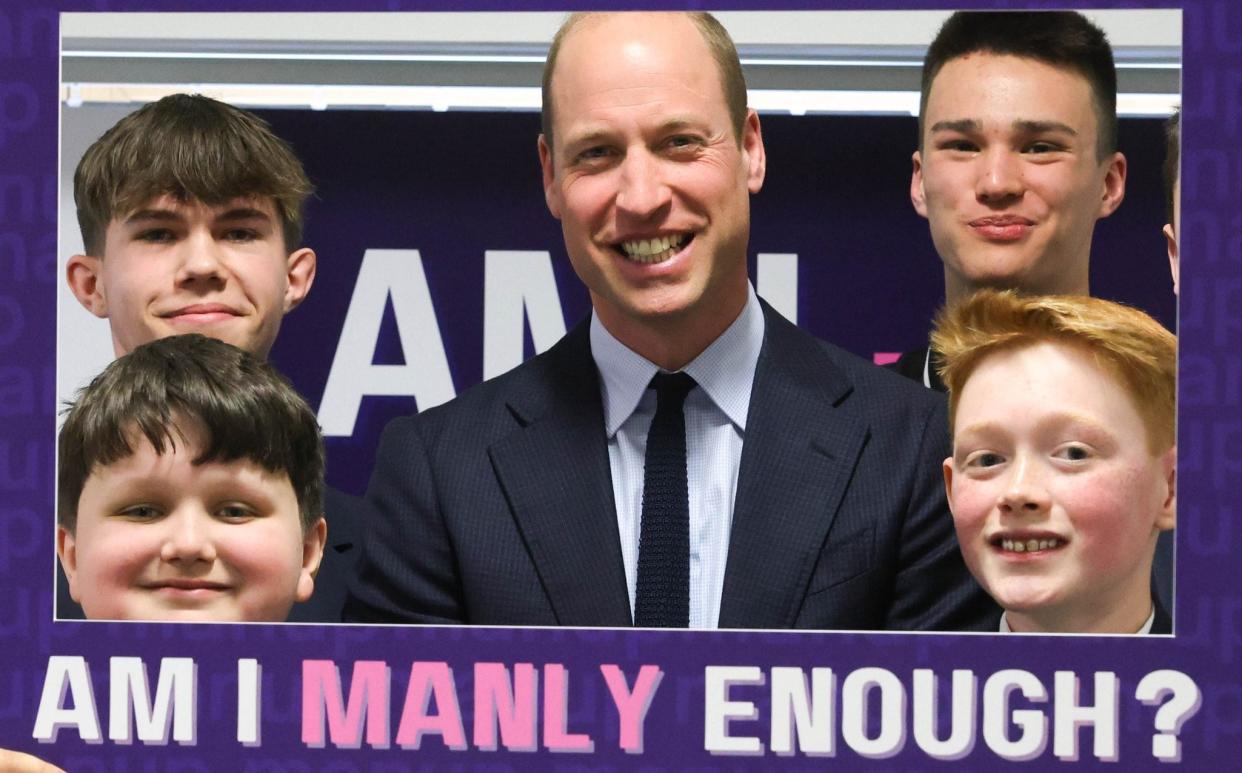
1101, 511
972, 502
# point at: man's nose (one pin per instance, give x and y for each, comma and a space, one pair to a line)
201, 258
188, 536
642, 191
1026, 491
1000, 175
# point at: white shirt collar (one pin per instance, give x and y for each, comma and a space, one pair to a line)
1146, 629
725, 370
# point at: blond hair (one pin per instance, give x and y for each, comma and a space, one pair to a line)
1134, 348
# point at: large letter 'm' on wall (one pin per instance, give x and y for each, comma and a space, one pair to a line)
517, 286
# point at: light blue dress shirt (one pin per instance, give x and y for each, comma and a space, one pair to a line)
715, 415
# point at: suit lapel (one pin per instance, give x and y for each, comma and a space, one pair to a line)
797, 459
555, 473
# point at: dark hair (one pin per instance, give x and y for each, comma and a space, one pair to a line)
247, 410
1059, 38
724, 53
1172, 160
189, 146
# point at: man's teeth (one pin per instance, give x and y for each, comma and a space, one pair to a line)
655, 250
1030, 545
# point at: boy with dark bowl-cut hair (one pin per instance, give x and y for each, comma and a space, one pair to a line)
190, 488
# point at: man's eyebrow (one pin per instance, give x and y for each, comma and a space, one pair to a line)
586, 137
243, 213
979, 427
1026, 126
677, 122
151, 214
1065, 417
1039, 127
592, 135
959, 125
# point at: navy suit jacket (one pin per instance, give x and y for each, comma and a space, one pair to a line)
1164, 621
497, 507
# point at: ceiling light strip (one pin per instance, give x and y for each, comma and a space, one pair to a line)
524, 98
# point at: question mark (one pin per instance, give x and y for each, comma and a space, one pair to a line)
1186, 700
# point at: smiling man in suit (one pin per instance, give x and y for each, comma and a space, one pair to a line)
685, 457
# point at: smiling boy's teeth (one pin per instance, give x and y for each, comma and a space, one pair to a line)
1030, 545
654, 250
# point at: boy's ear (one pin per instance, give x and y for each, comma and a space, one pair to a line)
67, 552
918, 195
1171, 239
1114, 185
84, 275
312, 553
1167, 517
299, 276
947, 468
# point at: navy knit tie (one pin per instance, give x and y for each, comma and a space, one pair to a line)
662, 599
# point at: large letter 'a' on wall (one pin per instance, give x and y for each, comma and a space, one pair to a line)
384, 274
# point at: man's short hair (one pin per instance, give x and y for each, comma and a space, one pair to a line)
189, 146
1059, 38
1134, 348
718, 41
245, 407
1172, 161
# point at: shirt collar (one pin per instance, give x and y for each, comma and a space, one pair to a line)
1146, 629
725, 370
